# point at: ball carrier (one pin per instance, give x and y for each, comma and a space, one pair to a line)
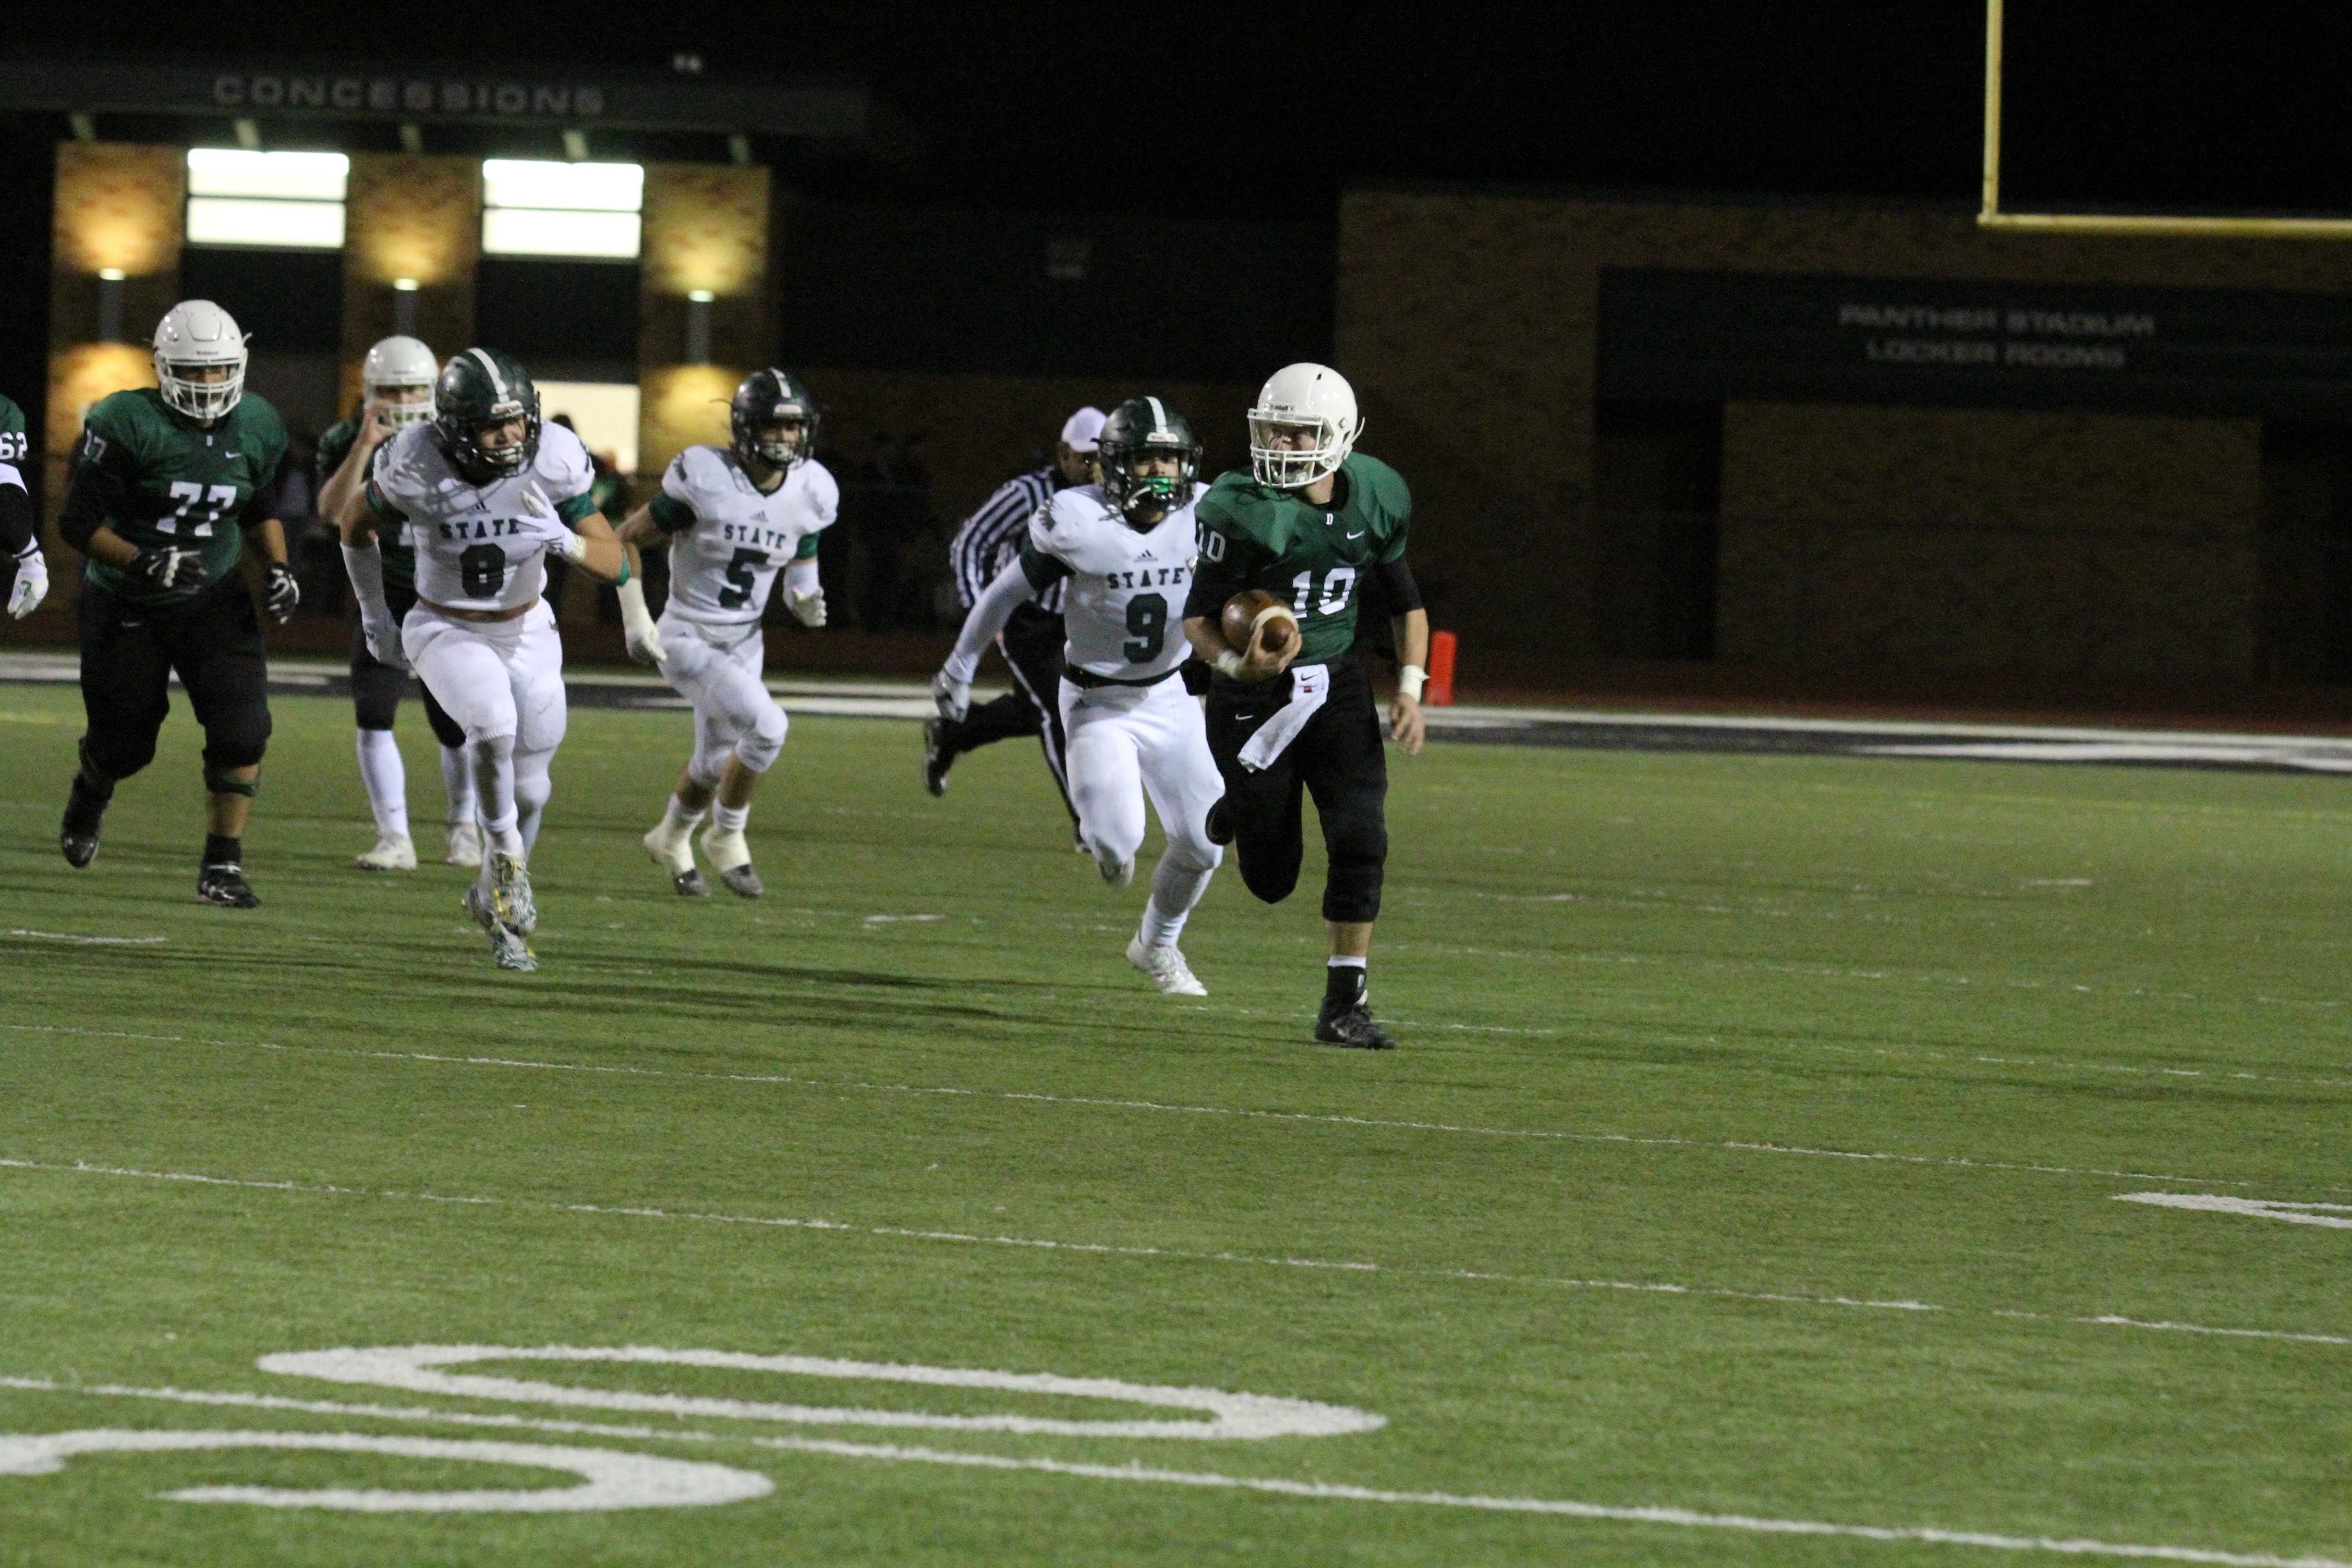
1291, 709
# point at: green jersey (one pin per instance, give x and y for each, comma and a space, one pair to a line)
399, 555
17, 527
170, 482
1311, 556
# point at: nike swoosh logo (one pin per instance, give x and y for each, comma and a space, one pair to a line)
1358, 534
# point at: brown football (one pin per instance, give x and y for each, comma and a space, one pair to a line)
1246, 609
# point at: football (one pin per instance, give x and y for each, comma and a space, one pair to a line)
1246, 610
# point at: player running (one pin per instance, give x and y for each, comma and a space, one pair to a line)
396, 391
1308, 519
20, 532
734, 518
171, 487
486, 494
1126, 545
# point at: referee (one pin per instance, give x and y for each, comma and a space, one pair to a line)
1032, 642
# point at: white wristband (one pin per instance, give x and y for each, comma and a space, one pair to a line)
1408, 681
572, 547
1228, 663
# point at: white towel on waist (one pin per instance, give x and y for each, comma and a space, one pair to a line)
1310, 688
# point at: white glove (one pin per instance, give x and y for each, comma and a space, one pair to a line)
953, 696
383, 642
32, 586
549, 527
638, 627
806, 608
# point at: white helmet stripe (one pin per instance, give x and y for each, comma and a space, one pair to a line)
1159, 416
491, 365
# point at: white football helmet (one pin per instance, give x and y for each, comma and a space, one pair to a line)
1303, 400
394, 364
194, 335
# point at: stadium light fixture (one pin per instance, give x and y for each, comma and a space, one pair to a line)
2148, 223
278, 200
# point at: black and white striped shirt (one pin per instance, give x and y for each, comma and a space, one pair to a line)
990, 538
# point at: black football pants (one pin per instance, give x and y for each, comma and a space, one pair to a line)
129, 654
1032, 645
377, 687
1338, 759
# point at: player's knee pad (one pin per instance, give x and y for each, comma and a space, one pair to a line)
219, 780
1357, 839
237, 740
763, 743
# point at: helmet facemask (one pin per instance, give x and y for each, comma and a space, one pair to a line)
1133, 492
397, 414
504, 461
783, 441
201, 399
1316, 446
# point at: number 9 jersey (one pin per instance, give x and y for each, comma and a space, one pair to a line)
1125, 604
481, 547
728, 540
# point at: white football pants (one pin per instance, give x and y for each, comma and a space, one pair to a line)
1127, 741
503, 681
716, 669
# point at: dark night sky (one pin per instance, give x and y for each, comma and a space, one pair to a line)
1271, 106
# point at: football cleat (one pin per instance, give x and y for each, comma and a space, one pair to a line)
224, 884
1351, 1027
1219, 824
510, 895
742, 881
392, 852
465, 844
1167, 968
937, 758
674, 852
731, 858
508, 950
78, 834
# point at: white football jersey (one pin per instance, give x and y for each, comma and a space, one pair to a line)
1125, 604
481, 547
728, 540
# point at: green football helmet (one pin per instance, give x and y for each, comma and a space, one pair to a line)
1143, 425
768, 398
479, 390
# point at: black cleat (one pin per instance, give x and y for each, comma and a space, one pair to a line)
77, 835
937, 758
1351, 1027
742, 881
688, 883
1220, 823
225, 885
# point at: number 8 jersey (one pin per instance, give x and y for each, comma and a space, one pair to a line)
481, 547
728, 540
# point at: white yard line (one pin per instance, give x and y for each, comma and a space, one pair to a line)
1953, 1161
975, 1238
1136, 1473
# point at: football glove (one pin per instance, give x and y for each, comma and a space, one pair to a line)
32, 583
637, 629
170, 567
806, 608
953, 697
383, 642
280, 593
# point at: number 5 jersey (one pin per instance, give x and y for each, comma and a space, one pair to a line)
728, 540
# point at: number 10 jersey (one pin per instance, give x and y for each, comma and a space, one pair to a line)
728, 539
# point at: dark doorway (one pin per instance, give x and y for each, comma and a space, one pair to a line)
2306, 625
1657, 481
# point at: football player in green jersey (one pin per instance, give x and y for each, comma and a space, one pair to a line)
171, 487
20, 535
1306, 523
395, 392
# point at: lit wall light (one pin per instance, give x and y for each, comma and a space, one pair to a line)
697, 326
534, 208
404, 306
282, 200
109, 304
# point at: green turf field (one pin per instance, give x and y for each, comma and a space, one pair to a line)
1751, 1160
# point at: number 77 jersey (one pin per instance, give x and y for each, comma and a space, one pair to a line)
728, 539
170, 484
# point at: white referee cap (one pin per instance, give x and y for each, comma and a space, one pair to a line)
1082, 431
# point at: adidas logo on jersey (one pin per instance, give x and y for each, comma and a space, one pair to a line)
1145, 555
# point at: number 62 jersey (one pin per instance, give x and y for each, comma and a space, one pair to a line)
481, 547
1125, 604
728, 539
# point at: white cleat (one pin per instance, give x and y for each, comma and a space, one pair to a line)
1167, 968
730, 857
465, 844
673, 853
508, 950
510, 896
392, 852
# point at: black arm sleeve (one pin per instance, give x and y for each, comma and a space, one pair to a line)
1212, 584
1043, 570
260, 507
85, 511
1396, 582
16, 532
